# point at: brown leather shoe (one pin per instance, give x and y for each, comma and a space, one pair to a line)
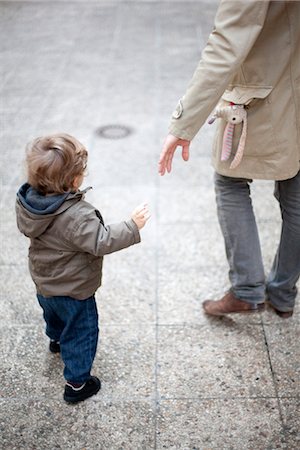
230, 304
282, 314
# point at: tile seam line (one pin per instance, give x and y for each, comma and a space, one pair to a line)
107, 325
221, 398
157, 76
92, 2
150, 400
274, 381
194, 325
103, 400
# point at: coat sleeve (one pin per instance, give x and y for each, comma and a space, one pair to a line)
237, 26
91, 236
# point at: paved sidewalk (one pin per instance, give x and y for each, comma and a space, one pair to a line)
172, 377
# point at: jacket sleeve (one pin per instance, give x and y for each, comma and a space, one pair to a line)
237, 26
91, 236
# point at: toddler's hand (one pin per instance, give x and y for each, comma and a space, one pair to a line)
140, 215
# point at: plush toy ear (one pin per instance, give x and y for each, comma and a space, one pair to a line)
212, 119
227, 141
240, 150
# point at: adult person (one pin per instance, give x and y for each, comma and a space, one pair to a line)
252, 59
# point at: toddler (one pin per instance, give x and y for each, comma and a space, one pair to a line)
68, 239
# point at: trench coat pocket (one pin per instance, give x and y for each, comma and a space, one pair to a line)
244, 95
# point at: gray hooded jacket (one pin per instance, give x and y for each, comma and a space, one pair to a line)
68, 240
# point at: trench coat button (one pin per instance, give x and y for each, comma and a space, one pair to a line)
178, 111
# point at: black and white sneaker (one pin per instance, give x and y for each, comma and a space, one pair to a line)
54, 346
74, 394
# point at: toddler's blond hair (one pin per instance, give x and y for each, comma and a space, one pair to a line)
53, 163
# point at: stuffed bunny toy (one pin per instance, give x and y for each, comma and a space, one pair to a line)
233, 114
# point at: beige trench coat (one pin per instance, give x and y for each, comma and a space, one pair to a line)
252, 57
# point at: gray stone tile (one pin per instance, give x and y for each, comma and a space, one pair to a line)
94, 424
11, 178
197, 173
189, 245
73, 66
28, 368
220, 424
182, 205
117, 202
126, 361
128, 292
226, 359
181, 293
18, 294
25, 120
14, 246
283, 344
290, 408
108, 163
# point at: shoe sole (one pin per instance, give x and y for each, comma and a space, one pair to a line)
82, 398
248, 311
282, 314
54, 351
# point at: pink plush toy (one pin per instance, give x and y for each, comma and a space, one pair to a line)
233, 114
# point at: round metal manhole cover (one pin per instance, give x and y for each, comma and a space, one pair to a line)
113, 131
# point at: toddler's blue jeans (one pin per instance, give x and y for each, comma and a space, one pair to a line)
74, 323
242, 244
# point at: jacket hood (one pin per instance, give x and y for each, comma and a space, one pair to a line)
35, 211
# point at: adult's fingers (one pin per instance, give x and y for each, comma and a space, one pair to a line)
166, 156
186, 151
169, 159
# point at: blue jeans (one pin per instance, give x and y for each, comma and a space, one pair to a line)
74, 323
238, 225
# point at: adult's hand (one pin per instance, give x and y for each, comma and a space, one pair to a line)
169, 147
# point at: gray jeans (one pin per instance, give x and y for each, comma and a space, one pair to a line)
238, 225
